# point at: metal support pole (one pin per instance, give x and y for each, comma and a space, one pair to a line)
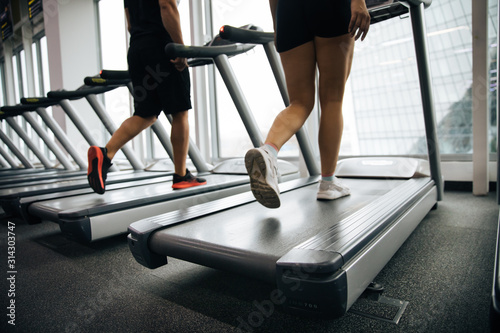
3, 162
61, 137
15, 126
5, 139
8, 158
48, 141
77, 121
480, 92
198, 74
419, 36
239, 100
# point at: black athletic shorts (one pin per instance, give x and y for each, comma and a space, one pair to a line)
157, 84
299, 21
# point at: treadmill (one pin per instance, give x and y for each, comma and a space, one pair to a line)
111, 77
13, 176
9, 117
16, 196
89, 217
59, 134
39, 104
323, 255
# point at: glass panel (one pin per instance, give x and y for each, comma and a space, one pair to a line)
493, 38
16, 77
255, 78
114, 55
384, 85
36, 69
23, 76
45, 66
382, 105
2, 84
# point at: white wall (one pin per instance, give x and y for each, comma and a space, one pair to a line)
71, 30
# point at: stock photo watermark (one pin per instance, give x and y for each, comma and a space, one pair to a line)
89, 310
11, 273
292, 280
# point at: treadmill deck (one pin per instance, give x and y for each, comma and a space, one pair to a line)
258, 234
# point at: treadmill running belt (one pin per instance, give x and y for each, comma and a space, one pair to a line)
258, 234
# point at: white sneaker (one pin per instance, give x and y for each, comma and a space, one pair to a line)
263, 171
331, 190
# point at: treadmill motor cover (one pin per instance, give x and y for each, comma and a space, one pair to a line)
383, 167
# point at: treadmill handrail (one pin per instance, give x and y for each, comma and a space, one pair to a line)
426, 3
39, 101
175, 50
6, 113
95, 81
245, 35
384, 10
241, 35
110, 74
16, 110
373, 4
79, 93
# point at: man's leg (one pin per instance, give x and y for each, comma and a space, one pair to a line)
100, 158
180, 141
128, 130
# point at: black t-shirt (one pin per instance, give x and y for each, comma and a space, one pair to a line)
146, 26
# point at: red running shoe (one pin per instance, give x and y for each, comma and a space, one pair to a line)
99, 164
187, 181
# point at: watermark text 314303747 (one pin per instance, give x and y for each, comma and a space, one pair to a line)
11, 273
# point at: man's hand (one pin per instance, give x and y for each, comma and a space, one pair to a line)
360, 19
180, 63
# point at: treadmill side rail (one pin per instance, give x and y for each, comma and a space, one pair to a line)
329, 290
138, 243
315, 276
77, 231
304, 272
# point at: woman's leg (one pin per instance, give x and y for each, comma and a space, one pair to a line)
299, 65
334, 58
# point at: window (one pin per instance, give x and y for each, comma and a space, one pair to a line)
2, 83
384, 83
113, 39
382, 105
44, 66
255, 78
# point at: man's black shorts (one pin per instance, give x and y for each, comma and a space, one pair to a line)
157, 84
299, 21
